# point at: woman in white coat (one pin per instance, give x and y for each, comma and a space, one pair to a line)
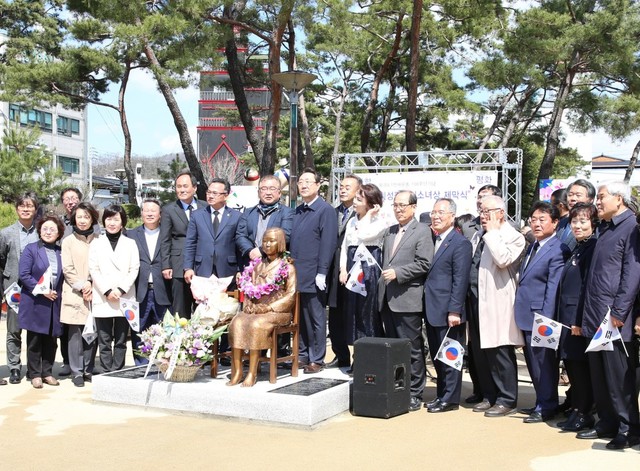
113, 264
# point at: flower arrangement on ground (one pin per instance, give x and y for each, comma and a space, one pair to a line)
188, 341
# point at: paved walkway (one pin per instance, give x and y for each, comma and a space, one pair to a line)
62, 428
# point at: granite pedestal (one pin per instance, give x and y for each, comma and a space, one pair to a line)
304, 401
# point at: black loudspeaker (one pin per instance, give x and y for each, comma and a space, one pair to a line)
381, 377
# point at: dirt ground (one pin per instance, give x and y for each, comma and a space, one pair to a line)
62, 428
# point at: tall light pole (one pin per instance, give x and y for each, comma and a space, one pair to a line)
293, 81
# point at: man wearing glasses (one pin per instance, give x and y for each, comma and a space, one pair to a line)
314, 236
501, 249
13, 240
210, 245
269, 212
407, 252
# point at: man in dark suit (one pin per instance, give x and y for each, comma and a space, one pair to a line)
13, 240
445, 291
152, 290
269, 212
537, 287
349, 186
173, 230
210, 245
478, 368
313, 242
613, 283
407, 252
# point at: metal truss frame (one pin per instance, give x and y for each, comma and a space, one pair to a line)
507, 161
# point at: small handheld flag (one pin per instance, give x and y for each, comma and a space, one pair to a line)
451, 353
130, 309
355, 282
545, 332
89, 333
363, 254
44, 283
12, 295
604, 336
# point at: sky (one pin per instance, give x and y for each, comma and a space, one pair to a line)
153, 132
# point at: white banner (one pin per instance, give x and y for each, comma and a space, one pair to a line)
462, 187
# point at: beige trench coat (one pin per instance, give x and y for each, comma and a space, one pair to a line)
497, 281
75, 266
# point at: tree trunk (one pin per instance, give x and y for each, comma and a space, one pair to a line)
414, 76
515, 117
632, 163
553, 135
178, 119
389, 110
496, 121
236, 77
365, 134
131, 184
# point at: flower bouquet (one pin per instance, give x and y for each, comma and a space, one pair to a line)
215, 306
179, 346
256, 291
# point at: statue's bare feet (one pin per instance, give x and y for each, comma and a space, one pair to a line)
249, 381
235, 379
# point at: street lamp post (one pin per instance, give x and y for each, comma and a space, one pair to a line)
293, 81
120, 174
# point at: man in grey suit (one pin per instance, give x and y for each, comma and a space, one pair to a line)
175, 220
152, 290
407, 252
13, 240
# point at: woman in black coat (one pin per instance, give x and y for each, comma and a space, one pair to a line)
583, 219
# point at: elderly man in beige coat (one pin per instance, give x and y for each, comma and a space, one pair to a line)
502, 248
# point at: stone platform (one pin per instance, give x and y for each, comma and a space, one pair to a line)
304, 401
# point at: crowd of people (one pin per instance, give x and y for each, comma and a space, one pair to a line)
479, 281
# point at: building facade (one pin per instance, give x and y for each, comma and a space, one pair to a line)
63, 132
222, 140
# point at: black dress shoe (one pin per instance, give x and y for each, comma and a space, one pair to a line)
433, 403
3, 382
578, 422
592, 434
622, 441
335, 363
571, 419
474, 399
443, 407
415, 404
527, 410
537, 417
15, 378
225, 361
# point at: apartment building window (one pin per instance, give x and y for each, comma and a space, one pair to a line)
68, 126
31, 117
69, 165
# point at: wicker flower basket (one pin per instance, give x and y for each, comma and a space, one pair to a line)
181, 374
